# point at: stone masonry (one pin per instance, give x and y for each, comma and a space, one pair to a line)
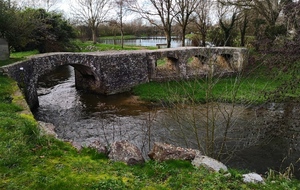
112, 72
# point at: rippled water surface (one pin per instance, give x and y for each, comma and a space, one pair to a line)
258, 137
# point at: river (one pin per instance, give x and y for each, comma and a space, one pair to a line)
148, 41
258, 137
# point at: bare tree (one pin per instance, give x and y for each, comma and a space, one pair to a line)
122, 8
227, 19
243, 22
158, 10
268, 9
202, 19
91, 13
292, 16
185, 8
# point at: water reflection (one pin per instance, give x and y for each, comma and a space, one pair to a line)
258, 137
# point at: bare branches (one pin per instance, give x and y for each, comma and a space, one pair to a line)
183, 11
92, 13
268, 9
202, 19
158, 10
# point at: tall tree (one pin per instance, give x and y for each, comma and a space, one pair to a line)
15, 27
91, 13
122, 8
292, 14
268, 9
202, 20
183, 12
158, 10
5, 15
227, 20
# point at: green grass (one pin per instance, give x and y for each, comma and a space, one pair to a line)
117, 37
90, 47
256, 88
250, 90
31, 161
17, 56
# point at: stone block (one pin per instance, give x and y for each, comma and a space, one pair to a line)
4, 51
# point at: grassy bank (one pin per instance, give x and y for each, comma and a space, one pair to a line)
17, 56
31, 161
88, 46
125, 37
255, 87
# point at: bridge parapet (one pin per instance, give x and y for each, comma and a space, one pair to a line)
118, 71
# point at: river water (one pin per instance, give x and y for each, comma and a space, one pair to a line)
148, 41
258, 138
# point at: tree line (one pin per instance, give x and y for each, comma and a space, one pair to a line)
31, 24
34, 28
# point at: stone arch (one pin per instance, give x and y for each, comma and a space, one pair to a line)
200, 60
224, 61
166, 67
86, 78
173, 64
198, 65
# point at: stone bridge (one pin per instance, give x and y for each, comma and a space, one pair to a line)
112, 72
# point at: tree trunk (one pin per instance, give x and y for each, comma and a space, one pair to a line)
183, 37
168, 37
94, 35
243, 30
203, 39
122, 35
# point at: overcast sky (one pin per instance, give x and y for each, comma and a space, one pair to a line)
64, 6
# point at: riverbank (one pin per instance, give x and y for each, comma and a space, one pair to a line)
256, 85
31, 161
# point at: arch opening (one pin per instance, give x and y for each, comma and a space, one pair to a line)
166, 68
197, 65
223, 62
86, 79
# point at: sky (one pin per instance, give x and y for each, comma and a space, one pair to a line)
64, 7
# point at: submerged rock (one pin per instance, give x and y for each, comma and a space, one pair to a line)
162, 152
209, 163
123, 151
